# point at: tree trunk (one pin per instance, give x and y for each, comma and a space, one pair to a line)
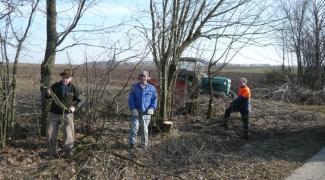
49, 60
13, 97
209, 113
163, 95
300, 73
317, 74
323, 76
170, 87
166, 94
317, 77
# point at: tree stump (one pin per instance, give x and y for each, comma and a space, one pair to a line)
167, 126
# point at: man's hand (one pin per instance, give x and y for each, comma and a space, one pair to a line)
150, 111
227, 105
134, 112
48, 91
72, 109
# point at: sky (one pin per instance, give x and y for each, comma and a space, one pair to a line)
105, 14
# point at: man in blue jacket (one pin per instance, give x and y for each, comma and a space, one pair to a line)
142, 103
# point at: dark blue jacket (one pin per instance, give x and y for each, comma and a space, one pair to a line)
69, 95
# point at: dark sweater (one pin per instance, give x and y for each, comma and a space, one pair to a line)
69, 95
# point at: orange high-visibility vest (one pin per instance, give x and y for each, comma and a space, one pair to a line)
245, 92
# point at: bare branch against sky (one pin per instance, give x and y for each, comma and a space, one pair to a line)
107, 22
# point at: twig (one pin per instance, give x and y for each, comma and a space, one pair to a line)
77, 172
144, 165
56, 99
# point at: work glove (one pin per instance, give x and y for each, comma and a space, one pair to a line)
72, 109
134, 112
48, 91
150, 111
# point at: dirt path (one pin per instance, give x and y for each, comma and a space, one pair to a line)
313, 169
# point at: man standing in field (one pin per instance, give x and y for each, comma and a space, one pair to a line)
241, 104
66, 98
142, 103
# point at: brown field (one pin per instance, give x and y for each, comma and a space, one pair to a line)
282, 136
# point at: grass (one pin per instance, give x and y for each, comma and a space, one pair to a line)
282, 137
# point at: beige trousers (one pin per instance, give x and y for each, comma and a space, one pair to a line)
53, 124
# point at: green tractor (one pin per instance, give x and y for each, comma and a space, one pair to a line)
192, 86
220, 86
197, 82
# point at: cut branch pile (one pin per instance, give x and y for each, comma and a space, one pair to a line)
291, 94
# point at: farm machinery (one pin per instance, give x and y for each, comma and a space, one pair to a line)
191, 78
192, 86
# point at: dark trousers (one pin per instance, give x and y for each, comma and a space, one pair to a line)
244, 112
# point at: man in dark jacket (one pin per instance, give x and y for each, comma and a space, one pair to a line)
241, 104
66, 98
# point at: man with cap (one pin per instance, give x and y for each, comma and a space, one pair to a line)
66, 98
142, 103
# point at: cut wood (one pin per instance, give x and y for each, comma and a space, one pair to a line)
167, 126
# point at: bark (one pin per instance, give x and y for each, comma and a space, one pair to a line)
209, 113
49, 60
163, 95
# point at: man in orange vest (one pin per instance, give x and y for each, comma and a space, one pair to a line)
241, 104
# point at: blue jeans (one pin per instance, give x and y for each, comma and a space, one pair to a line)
144, 123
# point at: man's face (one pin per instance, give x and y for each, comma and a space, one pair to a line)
241, 83
66, 80
144, 79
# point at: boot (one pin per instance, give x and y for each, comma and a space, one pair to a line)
225, 123
245, 127
245, 135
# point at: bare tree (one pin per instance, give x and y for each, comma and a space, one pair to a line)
305, 27
175, 25
317, 36
11, 39
100, 97
295, 14
54, 39
239, 32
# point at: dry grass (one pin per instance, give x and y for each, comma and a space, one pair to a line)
282, 137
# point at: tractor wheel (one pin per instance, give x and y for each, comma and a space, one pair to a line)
232, 94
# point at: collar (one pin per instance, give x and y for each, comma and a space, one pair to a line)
143, 86
64, 84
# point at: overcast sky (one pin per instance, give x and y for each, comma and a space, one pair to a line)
105, 14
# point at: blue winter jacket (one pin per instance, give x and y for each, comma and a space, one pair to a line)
143, 98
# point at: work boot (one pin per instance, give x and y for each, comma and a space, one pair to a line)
245, 136
54, 155
225, 123
67, 153
245, 127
